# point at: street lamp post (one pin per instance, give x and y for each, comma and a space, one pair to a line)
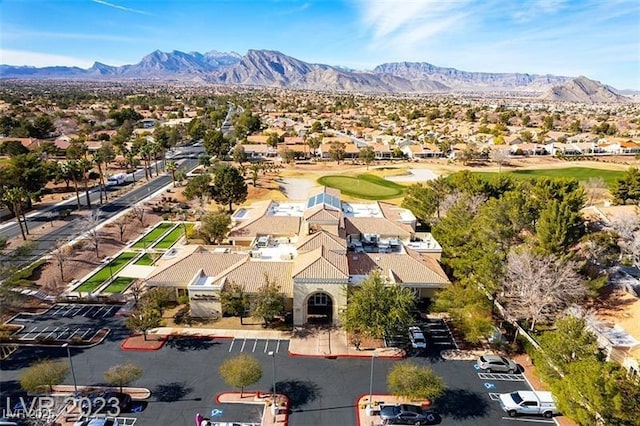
73, 373
370, 405
274, 406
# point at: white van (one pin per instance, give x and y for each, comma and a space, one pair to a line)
528, 402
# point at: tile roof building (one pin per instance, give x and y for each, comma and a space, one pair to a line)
313, 249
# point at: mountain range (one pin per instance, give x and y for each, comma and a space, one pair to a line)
274, 69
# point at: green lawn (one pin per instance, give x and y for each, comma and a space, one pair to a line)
119, 285
97, 279
153, 235
145, 260
579, 173
171, 238
366, 186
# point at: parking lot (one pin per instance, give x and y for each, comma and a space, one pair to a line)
184, 380
66, 322
259, 345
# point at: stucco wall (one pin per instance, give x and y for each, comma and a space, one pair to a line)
302, 291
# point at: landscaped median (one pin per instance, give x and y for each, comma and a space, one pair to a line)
366, 416
171, 238
275, 414
150, 237
106, 272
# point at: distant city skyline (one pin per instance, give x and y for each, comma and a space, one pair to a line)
598, 39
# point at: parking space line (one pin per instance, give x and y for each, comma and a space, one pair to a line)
66, 314
244, 342
108, 311
494, 396
63, 332
254, 345
278, 346
85, 333
450, 334
28, 333
52, 332
58, 309
40, 332
516, 419
503, 377
266, 345
89, 313
95, 315
77, 330
79, 310
232, 342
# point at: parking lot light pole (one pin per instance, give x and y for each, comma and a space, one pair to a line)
73, 373
370, 405
274, 407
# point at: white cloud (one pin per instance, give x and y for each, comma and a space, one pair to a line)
117, 6
404, 25
37, 59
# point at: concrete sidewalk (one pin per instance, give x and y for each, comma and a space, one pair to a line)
311, 342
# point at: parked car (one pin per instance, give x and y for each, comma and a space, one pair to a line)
497, 364
97, 422
528, 402
416, 337
406, 414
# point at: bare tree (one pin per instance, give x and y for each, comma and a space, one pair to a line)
473, 202
61, 255
136, 289
595, 187
499, 157
121, 223
93, 234
138, 212
537, 288
628, 228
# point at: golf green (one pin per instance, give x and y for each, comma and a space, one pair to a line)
578, 173
365, 186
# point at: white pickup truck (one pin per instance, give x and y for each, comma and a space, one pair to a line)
528, 402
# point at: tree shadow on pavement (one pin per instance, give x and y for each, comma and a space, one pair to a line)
299, 392
171, 392
184, 344
461, 404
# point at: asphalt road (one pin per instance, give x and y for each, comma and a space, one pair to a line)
74, 226
184, 379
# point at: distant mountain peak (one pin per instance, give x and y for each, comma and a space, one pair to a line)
584, 90
274, 68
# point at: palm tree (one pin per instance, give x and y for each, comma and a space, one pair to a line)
172, 167
14, 199
71, 170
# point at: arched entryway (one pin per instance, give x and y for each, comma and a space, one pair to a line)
320, 308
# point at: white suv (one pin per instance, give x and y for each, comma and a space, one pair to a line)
417, 338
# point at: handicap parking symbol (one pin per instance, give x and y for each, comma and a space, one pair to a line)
216, 412
137, 409
489, 385
476, 366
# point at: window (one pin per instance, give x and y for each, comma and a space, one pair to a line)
319, 299
530, 404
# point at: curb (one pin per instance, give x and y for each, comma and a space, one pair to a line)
165, 337
347, 356
255, 394
162, 342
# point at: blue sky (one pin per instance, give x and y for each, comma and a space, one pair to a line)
596, 38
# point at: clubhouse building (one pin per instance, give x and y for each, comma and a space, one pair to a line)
312, 249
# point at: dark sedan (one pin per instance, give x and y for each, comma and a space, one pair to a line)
407, 414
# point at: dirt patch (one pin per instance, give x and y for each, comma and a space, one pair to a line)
83, 258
